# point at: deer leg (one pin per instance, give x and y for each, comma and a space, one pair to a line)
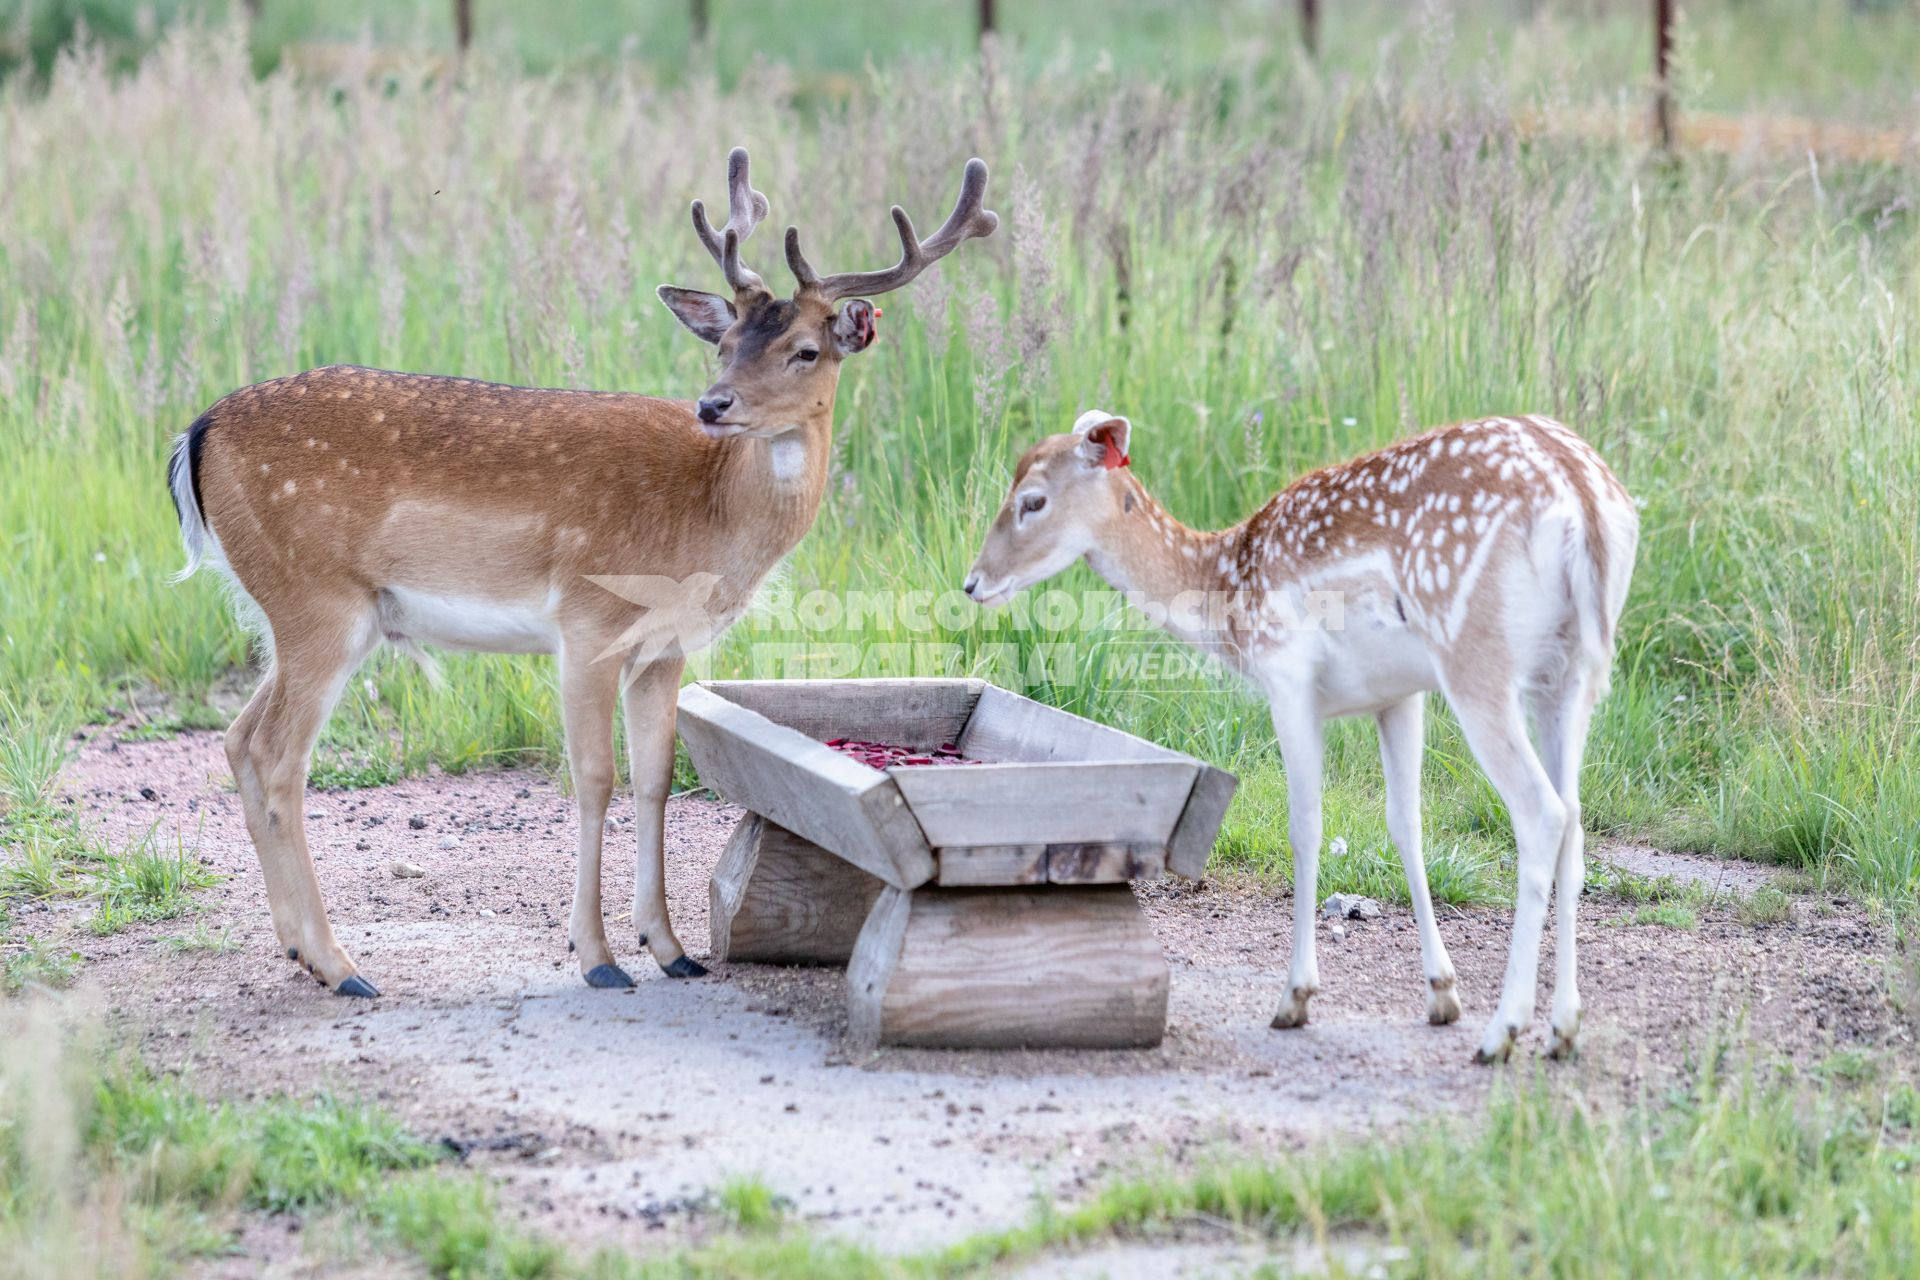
269, 747
1301, 749
1497, 734
649, 701
1562, 717
1402, 739
587, 692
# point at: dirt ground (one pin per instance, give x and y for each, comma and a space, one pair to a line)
613, 1115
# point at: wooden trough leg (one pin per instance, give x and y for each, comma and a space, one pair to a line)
778, 899
1054, 967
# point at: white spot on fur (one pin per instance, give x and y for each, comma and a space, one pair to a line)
787, 455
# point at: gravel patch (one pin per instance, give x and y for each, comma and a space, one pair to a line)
610, 1114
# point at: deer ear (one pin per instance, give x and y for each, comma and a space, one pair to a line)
853, 327
1104, 441
708, 315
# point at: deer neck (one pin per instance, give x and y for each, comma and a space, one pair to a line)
1145, 552
766, 491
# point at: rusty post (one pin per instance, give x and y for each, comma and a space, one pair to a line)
989, 18
1310, 27
1663, 72
463, 24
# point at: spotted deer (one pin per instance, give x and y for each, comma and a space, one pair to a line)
617, 532
1488, 560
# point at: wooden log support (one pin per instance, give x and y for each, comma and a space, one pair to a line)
1200, 822
1050, 967
778, 899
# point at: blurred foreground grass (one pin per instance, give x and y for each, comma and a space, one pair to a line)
1738, 1168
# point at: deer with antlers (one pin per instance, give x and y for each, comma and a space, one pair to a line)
1488, 560
617, 532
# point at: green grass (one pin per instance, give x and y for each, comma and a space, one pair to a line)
201, 939
280, 1156
1747, 1172
52, 855
40, 866
146, 882
1316, 264
750, 1205
1764, 906
48, 851
1670, 915
167, 727
109, 1170
1751, 1169
36, 962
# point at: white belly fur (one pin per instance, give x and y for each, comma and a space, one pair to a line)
451, 622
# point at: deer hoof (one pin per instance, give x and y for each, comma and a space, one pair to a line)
685, 967
608, 977
1293, 1009
1498, 1052
357, 986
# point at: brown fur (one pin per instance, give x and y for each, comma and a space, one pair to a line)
354, 505
363, 478
331, 488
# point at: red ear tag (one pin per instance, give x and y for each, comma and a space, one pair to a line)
1113, 459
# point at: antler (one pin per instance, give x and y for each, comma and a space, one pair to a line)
746, 209
967, 221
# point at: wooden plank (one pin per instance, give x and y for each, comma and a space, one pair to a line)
992, 864
1113, 862
911, 713
728, 884
806, 787
778, 899
1062, 967
1007, 727
870, 972
1062, 803
1199, 824
1103, 862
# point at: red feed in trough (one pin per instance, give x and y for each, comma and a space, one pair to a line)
887, 755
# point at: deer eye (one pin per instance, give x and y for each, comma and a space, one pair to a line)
1032, 503
807, 355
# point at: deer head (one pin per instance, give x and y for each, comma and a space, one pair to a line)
1066, 492
780, 357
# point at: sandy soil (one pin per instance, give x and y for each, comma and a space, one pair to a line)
612, 1115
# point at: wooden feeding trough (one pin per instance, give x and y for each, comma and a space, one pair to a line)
983, 905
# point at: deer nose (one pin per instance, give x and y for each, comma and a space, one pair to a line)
971, 585
714, 405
